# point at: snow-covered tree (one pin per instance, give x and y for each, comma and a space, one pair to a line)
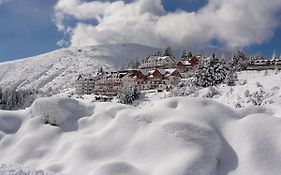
16, 99
128, 94
186, 56
183, 55
100, 71
231, 78
167, 51
239, 61
210, 71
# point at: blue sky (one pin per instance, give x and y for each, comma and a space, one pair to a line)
28, 27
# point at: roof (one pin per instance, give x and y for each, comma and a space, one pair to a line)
144, 72
159, 58
169, 71
185, 63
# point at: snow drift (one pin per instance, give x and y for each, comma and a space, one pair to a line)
172, 136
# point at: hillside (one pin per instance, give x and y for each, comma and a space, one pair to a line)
59, 69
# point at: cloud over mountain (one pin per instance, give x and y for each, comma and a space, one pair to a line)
236, 23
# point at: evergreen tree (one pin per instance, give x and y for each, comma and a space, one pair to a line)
239, 61
231, 78
100, 71
127, 95
186, 56
167, 51
209, 72
189, 55
183, 55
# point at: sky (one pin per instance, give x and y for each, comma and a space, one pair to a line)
32, 27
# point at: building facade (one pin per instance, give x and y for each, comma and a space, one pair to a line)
84, 85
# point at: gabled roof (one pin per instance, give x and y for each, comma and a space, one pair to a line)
185, 63
159, 58
144, 72
170, 71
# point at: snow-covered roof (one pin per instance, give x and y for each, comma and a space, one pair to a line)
169, 71
159, 58
144, 72
186, 63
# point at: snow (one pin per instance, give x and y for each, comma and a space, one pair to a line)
178, 135
59, 69
16, 170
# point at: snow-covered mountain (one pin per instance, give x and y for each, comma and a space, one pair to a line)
60, 68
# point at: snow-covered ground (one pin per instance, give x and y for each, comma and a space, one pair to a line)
219, 131
59, 69
17, 170
177, 135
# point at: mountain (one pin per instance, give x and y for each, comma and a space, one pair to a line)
59, 69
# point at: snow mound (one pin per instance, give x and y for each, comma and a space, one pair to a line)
63, 112
9, 124
172, 136
16, 170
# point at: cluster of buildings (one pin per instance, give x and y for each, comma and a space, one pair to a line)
154, 73
259, 63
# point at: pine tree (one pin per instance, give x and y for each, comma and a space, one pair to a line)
167, 51
209, 72
100, 71
186, 56
239, 61
231, 78
189, 55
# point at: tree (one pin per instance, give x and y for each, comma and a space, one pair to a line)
128, 94
167, 51
100, 71
189, 55
209, 72
186, 56
239, 61
231, 78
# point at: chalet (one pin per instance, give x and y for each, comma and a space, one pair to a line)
84, 85
159, 79
194, 60
183, 66
163, 62
187, 65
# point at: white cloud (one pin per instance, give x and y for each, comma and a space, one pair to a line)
236, 23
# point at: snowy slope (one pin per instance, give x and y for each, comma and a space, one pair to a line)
173, 136
59, 69
254, 88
